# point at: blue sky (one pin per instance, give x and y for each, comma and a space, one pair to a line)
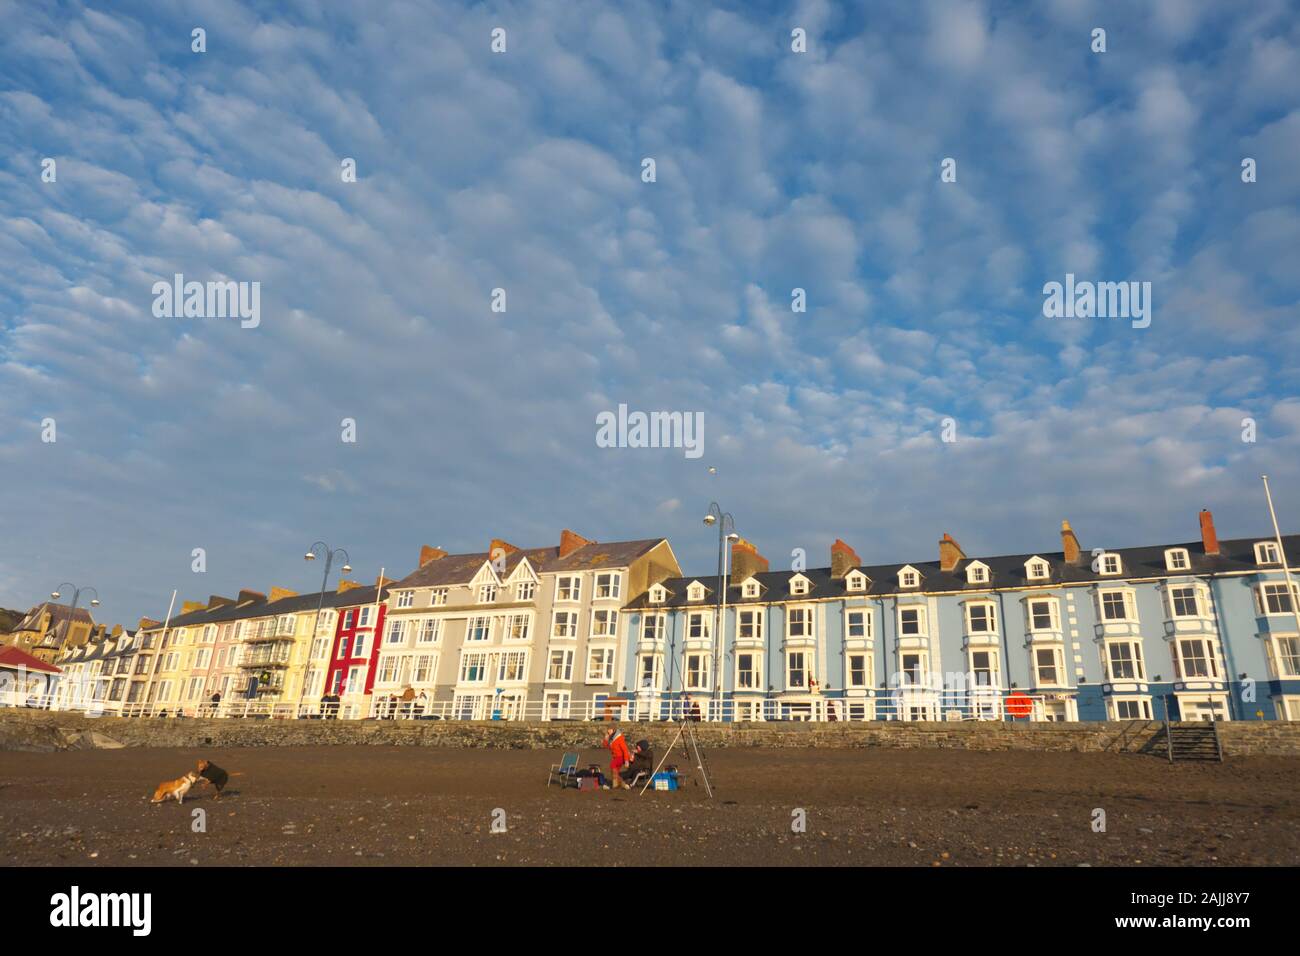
521, 170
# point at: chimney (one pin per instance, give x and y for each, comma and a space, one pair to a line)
148, 623
216, 600
278, 593
1209, 537
498, 549
950, 553
117, 630
843, 559
346, 585
745, 560
381, 581
1069, 543
571, 541
246, 596
428, 554
188, 606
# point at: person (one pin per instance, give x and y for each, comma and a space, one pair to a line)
216, 702
643, 761
408, 701
619, 756
421, 703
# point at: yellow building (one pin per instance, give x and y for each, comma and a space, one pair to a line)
49, 629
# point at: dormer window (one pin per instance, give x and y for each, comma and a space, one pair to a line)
855, 581
909, 577
658, 594
977, 573
798, 585
1177, 559
1266, 552
1036, 569
405, 598
1109, 563
487, 593
695, 592
749, 589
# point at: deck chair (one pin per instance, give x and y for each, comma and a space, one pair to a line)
564, 770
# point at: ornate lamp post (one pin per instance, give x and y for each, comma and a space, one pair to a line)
328, 554
726, 532
76, 596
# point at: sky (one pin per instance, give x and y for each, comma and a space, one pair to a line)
523, 170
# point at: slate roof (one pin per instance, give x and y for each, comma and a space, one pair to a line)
58, 614
461, 568
1006, 571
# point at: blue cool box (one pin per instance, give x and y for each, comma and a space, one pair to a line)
665, 781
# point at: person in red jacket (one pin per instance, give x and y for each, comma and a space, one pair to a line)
619, 756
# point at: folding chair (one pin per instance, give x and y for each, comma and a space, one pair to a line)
564, 770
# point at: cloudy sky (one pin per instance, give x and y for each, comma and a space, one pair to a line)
522, 170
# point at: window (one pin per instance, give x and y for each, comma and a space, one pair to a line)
560, 666
1036, 569
348, 618
430, 631
387, 669
473, 668
1273, 599
479, 628
424, 668
487, 593
1177, 559
657, 595
518, 627
604, 624
1138, 708
855, 581
1266, 552
343, 648
437, 597
977, 574
514, 667
796, 670
799, 622
285, 625
1183, 602
565, 624
747, 677
695, 592
396, 632
568, 587
1042, 615
750, 589
364, 620
859, 625
600, 665
798, 585
859, 670
652, 627
1115, 606
1108, 564
911, 621
1047, 665
980, 619
1125, 660
750, 627
359, 646
648, 672
984, 669
1195, 658
1285, 652
525, 590
406, 598
697, 672
699, 625
908, 578
557, 705
609, 585
913, 667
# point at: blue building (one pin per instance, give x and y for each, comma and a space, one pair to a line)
1197, 630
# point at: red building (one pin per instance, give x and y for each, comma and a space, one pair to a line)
358, 628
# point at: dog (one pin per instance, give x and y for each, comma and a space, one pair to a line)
175, 788
210, 773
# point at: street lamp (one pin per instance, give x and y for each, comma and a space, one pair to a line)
726, 532
76, 596
328, 553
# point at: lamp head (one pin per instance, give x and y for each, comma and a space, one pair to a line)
309, 556
709, 519
55, 595
94, 602
347, 569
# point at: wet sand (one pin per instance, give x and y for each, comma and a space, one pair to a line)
427, 806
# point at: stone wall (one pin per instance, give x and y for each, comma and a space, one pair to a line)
39, 730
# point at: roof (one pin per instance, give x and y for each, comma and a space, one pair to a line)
461, 568
225, 613
1006, 571
11, 658
58, 614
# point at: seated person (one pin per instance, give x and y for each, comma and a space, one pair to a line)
643, 761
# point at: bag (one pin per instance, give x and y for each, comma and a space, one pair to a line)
588, 783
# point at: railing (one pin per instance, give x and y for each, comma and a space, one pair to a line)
907, 704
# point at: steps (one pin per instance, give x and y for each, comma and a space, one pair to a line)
1191, 741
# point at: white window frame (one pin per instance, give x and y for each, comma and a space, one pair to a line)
1275, 589
807, 622
1057, 652
405, 599
487, 593
977, 573
805, 656
1130, 606
1109, 564
612, 586
1266, 552
525, 590
696, 668
1033, 565
564, 657
921, 616
437, 597
1138, 660
1053, 614
749, 619
604, 624
990, 617
568, 588
864, 619
752, 678
855, 581
1178, 559
570, 625
605, 673
658, 594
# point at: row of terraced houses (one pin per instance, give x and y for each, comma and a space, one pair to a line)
582, 629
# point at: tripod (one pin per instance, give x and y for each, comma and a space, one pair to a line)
686, 737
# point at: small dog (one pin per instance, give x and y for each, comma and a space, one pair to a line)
212, 774
175, 788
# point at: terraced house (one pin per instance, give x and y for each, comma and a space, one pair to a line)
1194, 630
509, 632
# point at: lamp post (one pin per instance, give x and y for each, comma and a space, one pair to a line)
726, 532
76, 596
1281, 553
328, 554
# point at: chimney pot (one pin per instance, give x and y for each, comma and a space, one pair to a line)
571, 541
745, 560
950, 553
428, 554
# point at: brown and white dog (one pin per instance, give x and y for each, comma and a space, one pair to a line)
175, 788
